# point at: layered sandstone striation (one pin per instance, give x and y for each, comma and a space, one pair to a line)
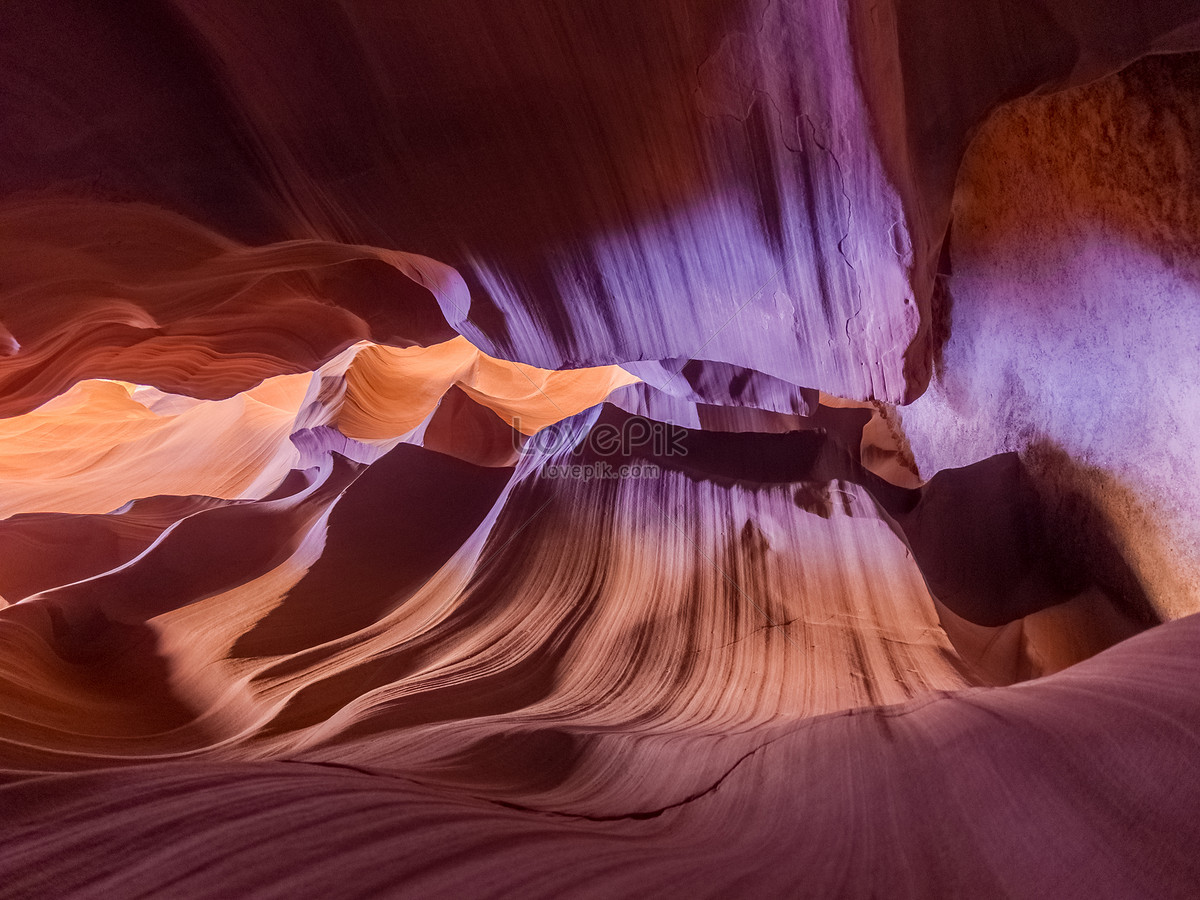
600, 448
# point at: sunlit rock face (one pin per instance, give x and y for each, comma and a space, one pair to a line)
692, 447
1072, 315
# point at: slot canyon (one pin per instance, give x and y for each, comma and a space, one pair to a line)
600, 448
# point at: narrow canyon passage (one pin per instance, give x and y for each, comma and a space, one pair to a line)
599, 448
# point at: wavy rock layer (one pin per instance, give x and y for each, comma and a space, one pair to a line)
913, 800
451, 449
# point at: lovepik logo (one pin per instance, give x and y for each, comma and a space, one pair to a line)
635, 437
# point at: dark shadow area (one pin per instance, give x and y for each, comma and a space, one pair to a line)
404, 517
472, 432
395, 309
941, 305
1078, 530
123, 102
440, 125
109, 678
827, 452
994, 543
39, 551
519, 762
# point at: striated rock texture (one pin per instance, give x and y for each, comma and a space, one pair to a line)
692, 447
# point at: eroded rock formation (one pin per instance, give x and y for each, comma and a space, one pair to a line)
693, 447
